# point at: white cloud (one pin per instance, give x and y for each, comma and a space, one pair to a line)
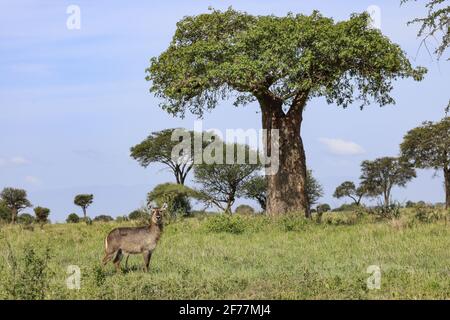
33, 180
342, 147
17, 160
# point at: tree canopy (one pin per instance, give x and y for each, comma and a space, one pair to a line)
379, 176
213, 54
348, 189
428, 146
84, 201
158, 146
16, 200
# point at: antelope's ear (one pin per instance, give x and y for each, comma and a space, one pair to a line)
164, 207
149, 206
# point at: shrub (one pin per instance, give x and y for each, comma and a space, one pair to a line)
29, 276
5, 212
176, 196
103, 218
390, 211
340, 218
428, 214
25, 219
41, 215
292, 222
226, 223
346, 207
73, 218
139, 214
122, 218
244, 209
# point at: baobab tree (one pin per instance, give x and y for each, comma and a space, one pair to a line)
281, 63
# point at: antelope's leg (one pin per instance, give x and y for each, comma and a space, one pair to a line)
147, 257
126, 262
118, 259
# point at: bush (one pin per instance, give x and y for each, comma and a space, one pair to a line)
176, 196
5, 212
346, 207
387, 212
292, 222
244, 209
122, 218
338, 219
73, 218
139, 214
428, 214
25, 219
29, 276
41, 215
103, 218
226, 223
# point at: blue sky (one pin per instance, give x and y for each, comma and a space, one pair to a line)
72, 102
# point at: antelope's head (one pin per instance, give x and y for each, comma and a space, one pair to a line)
157, 214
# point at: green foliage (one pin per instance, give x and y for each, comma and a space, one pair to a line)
256, 188
215, 55
221, 183
122, 219
314, 190
428, 146
16, 200
5, 212
339, 219
158, 147
84, 201
346, 207
176, 196
225, 223
293, 222
139, 214
390, 211
380, 175
428, 214
244, 209
28, 275
348, 189
25, 219
103, 218
321, 208
41, 215
73, 218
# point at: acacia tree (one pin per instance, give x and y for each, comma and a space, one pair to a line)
436, 21
84, 201
16, 200
428, 146
282, 63
157, 147
380, 175
223, 183
41, 215
348, 189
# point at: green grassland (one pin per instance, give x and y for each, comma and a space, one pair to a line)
221, 257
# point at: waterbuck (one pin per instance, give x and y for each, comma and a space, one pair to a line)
134, 240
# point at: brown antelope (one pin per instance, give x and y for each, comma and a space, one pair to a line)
134, 240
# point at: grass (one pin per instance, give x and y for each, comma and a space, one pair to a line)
237, 258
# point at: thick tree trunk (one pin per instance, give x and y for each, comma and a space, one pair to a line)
447, 187
286, 188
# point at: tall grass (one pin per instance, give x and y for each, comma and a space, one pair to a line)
238, 257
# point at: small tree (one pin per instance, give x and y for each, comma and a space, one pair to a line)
428, 146
41, 215
314, 190
321, 208
348, 189
103, 218
73, 218
84, 201
245, 210
158, 147
256, 188
176, 196
16, 200
25, 219
380, 175
5, 212
223, 183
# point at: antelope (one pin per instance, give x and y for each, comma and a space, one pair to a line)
134, 240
